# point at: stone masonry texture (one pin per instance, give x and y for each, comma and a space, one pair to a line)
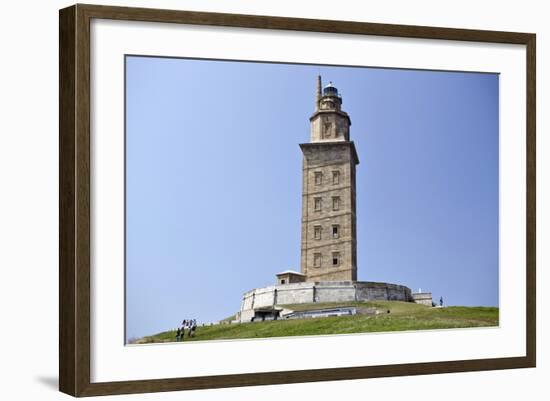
329, 234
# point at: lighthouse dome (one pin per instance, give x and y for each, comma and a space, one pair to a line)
330, 90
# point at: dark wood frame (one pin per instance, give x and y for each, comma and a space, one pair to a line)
74, 199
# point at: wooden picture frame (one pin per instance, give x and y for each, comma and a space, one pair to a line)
74, 199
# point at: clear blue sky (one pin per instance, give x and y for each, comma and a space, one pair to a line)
213, 181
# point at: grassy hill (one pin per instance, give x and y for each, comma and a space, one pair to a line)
401, 316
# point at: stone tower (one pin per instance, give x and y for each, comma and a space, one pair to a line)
329, 239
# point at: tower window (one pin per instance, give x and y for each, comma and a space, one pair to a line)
335, 203
317, 259
335, 177
317, 232
327, 128
318, 204
318, 178
335, 258
335, 231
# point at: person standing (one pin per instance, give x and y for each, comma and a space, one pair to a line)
441, 301
183, 327
192, 328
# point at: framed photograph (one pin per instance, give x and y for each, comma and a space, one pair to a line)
223, 223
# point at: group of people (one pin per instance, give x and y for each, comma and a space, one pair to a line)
189, 325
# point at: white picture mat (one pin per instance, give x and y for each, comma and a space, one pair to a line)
111, 360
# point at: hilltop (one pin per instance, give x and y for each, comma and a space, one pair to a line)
391, 316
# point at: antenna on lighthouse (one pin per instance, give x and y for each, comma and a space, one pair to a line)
318, 97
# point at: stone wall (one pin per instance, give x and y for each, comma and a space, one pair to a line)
383, 291
313, 292
299, 294
320, 162
335, 292
424, 298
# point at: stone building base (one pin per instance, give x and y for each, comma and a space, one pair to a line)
263, 300
424, 298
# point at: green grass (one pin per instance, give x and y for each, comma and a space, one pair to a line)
402, 316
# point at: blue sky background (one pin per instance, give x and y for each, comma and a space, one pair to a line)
213, 181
